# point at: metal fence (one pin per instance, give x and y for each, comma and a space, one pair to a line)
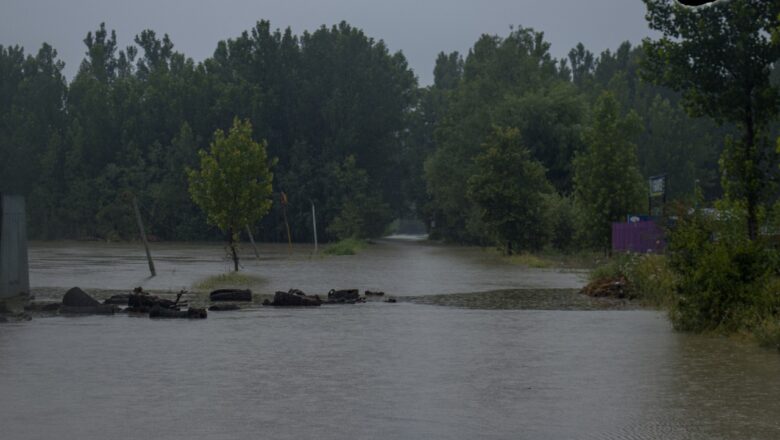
14, 276
642, 237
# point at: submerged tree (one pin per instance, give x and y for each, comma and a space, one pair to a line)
509, 187
233, 185
607, 181
720, 57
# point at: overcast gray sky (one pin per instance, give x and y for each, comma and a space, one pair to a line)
419, 28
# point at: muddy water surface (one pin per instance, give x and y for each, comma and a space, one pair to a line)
398, 267
463, 370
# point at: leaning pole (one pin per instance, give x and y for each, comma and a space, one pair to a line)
14, 270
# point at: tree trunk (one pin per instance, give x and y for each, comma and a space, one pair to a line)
233, 250
751, 174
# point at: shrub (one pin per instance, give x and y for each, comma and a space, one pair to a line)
722, 275
349, 246
648, 277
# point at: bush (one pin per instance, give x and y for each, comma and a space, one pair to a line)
562, 220
723, 277
349, 246
648, 277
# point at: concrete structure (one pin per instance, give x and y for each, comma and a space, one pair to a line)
14, 274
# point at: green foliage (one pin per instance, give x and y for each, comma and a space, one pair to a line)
509, 187
720, 58
723, 276
347, 246
562, 220
233, 184
607, 182
361, 214
649, 277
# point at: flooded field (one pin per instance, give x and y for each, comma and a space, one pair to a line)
440, 364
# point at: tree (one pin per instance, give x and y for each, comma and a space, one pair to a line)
233, 185
720, 57
607, 182
509, 187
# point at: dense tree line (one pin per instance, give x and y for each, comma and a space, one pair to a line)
557, 107
351, 133
332, 106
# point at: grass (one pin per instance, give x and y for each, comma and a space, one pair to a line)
349, 246
227, 280
554, 259
530, 260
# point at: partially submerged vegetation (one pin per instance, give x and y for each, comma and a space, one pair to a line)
228, 280
551, 258
348, 246
713, 279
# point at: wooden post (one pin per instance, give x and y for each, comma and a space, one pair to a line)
283, 198
143, 236
252, 240
314, 224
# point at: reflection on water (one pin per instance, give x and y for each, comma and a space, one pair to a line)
385, 371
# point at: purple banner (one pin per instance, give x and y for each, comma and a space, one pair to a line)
641, 237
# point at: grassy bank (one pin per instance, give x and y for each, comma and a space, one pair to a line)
349, 246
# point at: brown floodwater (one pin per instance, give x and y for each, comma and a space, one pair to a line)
397, 267
433, 366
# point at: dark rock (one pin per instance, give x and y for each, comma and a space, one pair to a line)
231, 295
75, 297
122, 299
293, 298
373, 293
224, 307
42, 307
192, 313
142, 300
391, 300
350, 296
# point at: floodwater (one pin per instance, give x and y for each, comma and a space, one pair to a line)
397, 267
409, 370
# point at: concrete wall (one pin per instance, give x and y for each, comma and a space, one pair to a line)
14, 275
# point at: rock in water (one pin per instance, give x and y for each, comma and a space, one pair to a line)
294, 298
121, 299
374, 293
76, 301
42, 307
192, 313
75, 297
231, 295
349, 296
